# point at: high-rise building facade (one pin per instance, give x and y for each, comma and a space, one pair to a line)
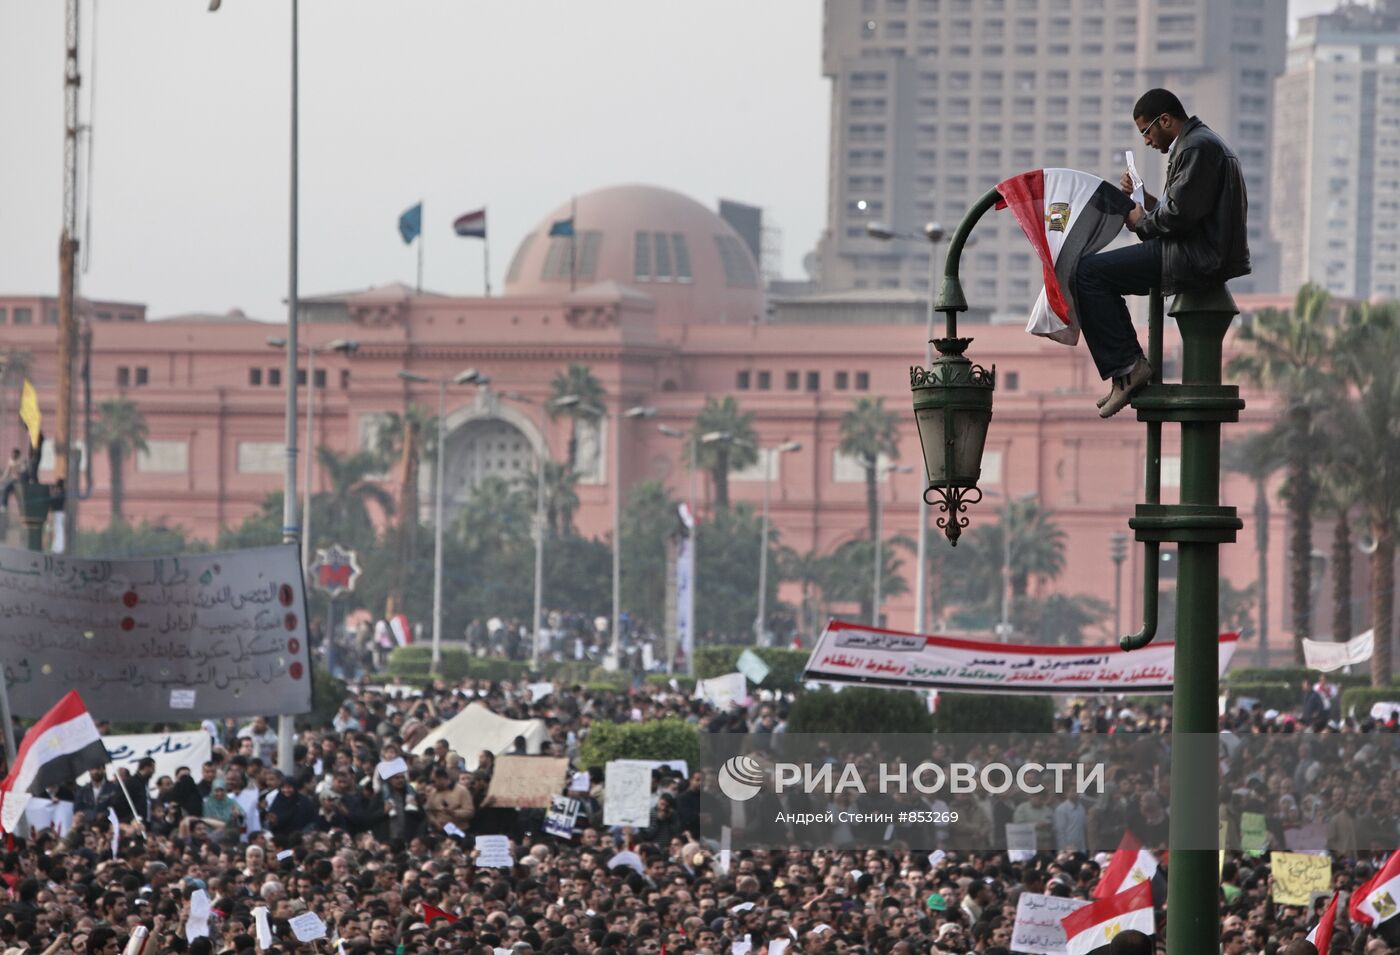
1336, 189
935, 101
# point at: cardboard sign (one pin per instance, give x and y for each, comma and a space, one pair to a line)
527, 782
559, 821
1037, 930
1297, 876
627, 794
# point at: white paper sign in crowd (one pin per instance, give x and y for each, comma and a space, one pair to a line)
493, 852
1037, 930
627, 794
169, 750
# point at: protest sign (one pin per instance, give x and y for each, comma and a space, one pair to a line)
526, 782
159, 638
1297, 876
307, 927
43, 813
626, 794
850, 653
752, 666
1020, 841
170, 751
493, 852
1325, 655
1037, 930
559, 821
722, 691
1254, 832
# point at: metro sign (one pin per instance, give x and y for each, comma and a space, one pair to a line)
335, 570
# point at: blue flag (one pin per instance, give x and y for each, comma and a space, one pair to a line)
411, 223
564, 227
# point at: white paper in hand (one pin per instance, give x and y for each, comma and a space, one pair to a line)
307, 927
264, 930
1139, 191
742, 946
197, 925
777, 946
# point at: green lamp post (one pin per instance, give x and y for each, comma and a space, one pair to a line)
953, 406
953, 399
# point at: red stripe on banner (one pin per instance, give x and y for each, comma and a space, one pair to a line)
1138, 897
1024, 195
961, 644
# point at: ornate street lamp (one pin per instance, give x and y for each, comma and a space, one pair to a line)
953, 398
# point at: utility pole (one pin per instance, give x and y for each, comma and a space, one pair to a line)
67, 458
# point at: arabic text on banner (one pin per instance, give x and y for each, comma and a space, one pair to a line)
1037, 930
159, 639
850, 653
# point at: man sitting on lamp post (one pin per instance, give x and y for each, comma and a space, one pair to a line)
1194, 236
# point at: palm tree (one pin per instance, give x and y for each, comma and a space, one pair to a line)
736, 449
1257, 456
495, 521
1287, 352
1367, 355
849, 573
560, 496
401, 437
121, 429
1037, 551
807, 569
869, 432
345, 508
576, 381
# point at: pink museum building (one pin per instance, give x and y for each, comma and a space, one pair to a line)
667, 309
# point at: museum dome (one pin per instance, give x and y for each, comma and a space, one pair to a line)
679, 253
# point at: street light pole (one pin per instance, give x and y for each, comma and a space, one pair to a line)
614, 658
1118, 553
469, 377
541, 456
769, 455
882, 474
933, 233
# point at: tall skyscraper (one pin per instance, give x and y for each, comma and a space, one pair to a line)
1336, 188
935, 101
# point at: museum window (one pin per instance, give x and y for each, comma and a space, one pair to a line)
682, 257
641, 268
843, 380
814, 381
344, 378
255, 377
741, 380
1013, 380
143, 376
765, 380
24, 316
123, 376
274, 377
794, 380
862, 381
320, 377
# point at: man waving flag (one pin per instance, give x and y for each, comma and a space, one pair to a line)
57, 749
1321, 935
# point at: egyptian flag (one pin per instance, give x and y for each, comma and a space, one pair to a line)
1067, 215
432, 912
56, 750
1088, 931
471, 225
1376, 901
1321, 935
398, 626
1130, 865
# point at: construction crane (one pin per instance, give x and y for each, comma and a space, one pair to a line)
67, 456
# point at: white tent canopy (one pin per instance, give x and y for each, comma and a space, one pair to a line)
476, 728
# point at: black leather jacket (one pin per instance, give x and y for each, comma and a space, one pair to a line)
1200, 219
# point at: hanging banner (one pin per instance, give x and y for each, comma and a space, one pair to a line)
170, 751
158, 639
1327, 656
685, 587
851, 653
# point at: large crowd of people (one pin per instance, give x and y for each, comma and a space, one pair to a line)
390, 865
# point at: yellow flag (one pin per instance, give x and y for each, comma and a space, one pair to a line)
29, 412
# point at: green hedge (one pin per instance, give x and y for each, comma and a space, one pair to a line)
785, 666
994, 713
1271, 696
686, 683
414, 661
1363, 698
860, 709
670, 738
1293, 676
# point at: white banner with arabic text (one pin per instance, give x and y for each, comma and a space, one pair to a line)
851, 653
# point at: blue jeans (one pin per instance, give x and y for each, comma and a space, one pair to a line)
1101, 282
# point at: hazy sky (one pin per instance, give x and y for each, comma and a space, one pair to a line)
511, 104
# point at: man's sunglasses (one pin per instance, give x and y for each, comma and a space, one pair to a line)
1144, 132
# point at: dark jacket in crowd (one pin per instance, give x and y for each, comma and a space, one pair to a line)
1200, 218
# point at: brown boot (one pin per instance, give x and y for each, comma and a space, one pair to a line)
1124, 388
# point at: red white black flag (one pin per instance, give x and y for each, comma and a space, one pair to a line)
57, 749
1067, 215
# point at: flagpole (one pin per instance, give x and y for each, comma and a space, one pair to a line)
573, 240
486, 263
9, 720
420, 246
